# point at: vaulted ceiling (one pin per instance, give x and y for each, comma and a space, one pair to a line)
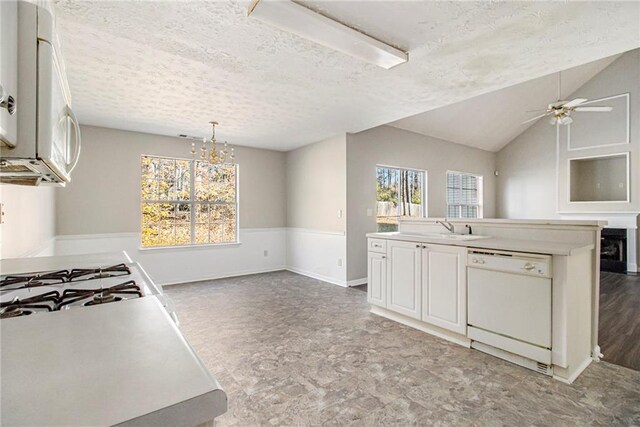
492, 120
170, 67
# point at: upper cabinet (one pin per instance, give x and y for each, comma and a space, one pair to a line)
8, 72
42, 137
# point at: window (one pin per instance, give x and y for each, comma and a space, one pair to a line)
399, 193
464, 195
188, 202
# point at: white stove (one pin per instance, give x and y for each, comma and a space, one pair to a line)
94, 283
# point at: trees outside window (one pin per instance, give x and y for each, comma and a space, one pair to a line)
399, 193
187, 202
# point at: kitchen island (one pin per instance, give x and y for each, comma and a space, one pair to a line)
524, 291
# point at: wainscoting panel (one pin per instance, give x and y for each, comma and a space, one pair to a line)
169, 266
318, 254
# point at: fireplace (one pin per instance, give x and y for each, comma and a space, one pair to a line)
613, 250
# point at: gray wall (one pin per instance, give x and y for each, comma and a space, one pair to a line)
526, 187
104, 195
395, 147
316, 185
29, 221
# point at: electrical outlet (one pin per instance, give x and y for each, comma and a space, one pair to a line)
339, 262
266, 253
339, 213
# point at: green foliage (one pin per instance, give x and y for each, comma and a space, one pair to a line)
169, 194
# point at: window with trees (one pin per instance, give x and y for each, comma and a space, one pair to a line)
188, 202
399, 193
464, 195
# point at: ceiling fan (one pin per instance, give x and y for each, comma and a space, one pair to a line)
560, 111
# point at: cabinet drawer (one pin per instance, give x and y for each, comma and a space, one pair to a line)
377, 245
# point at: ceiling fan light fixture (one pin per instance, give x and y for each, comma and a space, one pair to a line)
297, 19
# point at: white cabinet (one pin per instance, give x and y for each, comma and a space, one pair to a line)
404, 270
377, 279
444, 295
8, 70
423, 281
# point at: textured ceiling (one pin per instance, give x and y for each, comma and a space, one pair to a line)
169, 67
494, 119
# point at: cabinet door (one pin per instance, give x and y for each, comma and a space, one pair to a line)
444, 287
377, 279
9, 68
403, 278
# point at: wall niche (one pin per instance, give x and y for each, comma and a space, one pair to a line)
599, 178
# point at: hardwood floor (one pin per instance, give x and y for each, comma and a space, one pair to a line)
619, 329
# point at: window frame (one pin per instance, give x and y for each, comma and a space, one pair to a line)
192, 204
480, 190
423, 193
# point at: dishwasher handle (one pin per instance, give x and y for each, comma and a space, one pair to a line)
516, 263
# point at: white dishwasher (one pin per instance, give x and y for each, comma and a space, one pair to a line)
509, 306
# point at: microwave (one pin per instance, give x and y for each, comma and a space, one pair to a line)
40, 139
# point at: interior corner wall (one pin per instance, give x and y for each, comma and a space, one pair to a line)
386, 145
28, 227
316, 210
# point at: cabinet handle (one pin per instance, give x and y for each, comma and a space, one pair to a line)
424, 246
417, 246
384, 257
528, 266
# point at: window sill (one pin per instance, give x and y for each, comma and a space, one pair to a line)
184, 247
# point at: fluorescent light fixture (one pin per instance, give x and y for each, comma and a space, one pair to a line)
294, 18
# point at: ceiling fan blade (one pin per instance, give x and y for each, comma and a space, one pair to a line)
594, 109
574, 103
533, 119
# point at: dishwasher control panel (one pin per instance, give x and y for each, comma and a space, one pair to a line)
511, 262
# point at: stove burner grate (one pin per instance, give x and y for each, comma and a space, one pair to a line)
24, 307
98, 273
33, 280
99, 296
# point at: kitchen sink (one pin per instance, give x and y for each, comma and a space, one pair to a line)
451, 236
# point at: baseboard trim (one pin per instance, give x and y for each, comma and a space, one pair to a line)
226, 276
317, 276
421, 326
357, 282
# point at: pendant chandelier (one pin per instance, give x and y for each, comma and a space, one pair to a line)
224, 155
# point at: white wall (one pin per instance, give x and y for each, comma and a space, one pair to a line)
396, 147
29, 221
316, 210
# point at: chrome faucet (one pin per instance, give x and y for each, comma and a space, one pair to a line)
446, 224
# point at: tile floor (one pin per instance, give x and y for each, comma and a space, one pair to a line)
290, 350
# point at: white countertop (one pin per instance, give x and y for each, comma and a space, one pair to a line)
532, 246
123, 362
50, 263
538, 222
